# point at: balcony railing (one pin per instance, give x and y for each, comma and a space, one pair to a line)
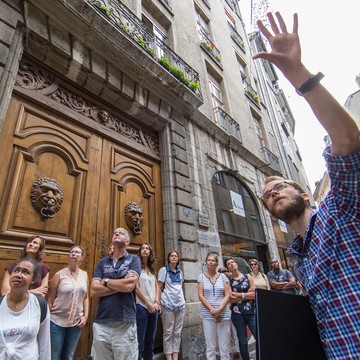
168, 3
270, 158
236, 37
227, 123
251, 93
209, 46
128, 23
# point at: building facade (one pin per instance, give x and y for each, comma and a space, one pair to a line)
145, 114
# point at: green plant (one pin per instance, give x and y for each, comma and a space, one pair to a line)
194, 86
164, 61
125, 27
253, 96
150, 51
140, 40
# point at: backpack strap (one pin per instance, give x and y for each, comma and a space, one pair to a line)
43, 307
42, 303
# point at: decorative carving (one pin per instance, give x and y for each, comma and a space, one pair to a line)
31, 77
47, 197
134, 217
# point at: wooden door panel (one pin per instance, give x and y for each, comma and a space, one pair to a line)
127, 176
43, 146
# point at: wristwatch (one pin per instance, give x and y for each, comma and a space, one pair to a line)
106, 282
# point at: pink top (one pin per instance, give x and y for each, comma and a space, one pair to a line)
68, 305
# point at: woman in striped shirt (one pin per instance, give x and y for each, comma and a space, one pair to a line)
214, 293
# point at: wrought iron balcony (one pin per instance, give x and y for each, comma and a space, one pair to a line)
209, 47
168, 3
271, 159
128, 23
237, 37
251, 93
227, 123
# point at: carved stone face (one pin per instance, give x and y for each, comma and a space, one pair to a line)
134, 217
46, 196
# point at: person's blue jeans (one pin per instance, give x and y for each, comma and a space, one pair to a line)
240, 321
63, 341
146, 327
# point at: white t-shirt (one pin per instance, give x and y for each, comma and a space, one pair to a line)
147, 283
21, 335
172, 298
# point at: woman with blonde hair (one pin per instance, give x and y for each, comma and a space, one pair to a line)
69, 306
260, 279
34, 248
214, 292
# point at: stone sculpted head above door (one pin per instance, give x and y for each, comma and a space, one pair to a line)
134, 217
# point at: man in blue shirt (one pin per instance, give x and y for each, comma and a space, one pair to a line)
113, 282
281, 279
327, 248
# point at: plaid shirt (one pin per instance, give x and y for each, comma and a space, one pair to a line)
328, 259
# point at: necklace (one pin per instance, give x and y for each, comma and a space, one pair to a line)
17, 306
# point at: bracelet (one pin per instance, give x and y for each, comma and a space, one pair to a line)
243, 296
309, 84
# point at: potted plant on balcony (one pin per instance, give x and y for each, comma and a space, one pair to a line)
105, 10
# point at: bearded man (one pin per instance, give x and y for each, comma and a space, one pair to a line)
327, 248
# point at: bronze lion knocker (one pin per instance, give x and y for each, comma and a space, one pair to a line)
47, 197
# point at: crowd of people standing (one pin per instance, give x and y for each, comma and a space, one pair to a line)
131, 299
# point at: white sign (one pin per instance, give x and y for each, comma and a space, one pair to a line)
283, 227
237, 203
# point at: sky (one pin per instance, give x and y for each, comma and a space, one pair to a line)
329, 39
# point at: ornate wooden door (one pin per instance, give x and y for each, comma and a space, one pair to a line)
95, 172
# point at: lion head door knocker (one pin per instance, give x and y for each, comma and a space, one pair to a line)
134, 217
47, 197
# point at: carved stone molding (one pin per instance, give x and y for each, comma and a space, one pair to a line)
31, 77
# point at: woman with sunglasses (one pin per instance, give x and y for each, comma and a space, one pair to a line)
34, 248
260, 279
242, 305
69, 306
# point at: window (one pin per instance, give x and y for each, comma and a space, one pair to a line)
202, 25
259, 131
160, 33
230, 19
242, 69
216, 99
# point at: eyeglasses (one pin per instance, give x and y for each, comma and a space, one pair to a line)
254, 264
75, 252
277, 188
119, 233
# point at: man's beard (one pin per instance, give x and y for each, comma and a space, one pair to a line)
292, 210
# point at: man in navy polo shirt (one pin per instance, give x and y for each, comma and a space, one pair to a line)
113, 282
